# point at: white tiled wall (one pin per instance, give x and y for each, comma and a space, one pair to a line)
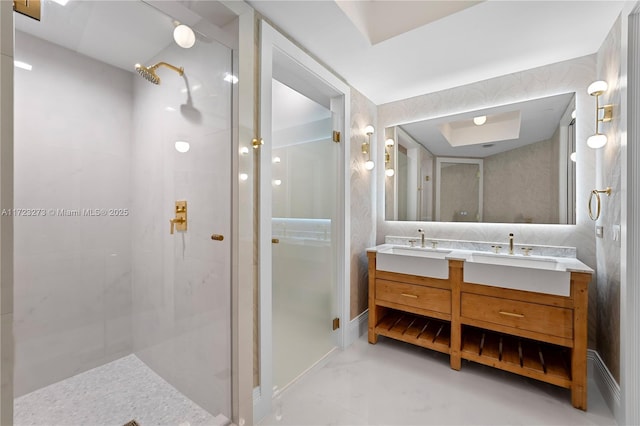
72, 273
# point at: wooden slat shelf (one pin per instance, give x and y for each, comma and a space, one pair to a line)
541, 361
415, 329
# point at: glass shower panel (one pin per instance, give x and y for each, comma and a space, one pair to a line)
304, 189
108, 302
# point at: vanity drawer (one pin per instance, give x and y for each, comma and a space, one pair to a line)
417, 296
534, 317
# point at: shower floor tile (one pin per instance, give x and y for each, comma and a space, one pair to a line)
112, 394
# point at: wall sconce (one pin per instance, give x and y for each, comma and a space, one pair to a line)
596, 89
388, 144
366, 147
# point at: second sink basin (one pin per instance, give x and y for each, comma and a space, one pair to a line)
539, 274
414, 261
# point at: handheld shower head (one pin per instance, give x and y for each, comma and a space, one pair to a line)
149, 73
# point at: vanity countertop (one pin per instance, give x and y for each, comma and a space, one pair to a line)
568, 264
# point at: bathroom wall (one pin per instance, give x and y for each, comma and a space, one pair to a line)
181, 282
72, 271
532, 199
568, 76
609, 167
363, 229
6, 222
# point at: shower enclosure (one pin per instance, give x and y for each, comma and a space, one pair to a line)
119, 316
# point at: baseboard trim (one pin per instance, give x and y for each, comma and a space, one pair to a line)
357, 327
607, 385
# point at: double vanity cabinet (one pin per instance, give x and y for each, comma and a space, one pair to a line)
491, 313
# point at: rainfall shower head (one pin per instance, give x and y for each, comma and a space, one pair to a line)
150, 75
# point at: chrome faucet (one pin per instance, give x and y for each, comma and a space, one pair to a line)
421, 232
511, 243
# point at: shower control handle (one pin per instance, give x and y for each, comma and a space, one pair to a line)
179, 222
174, 221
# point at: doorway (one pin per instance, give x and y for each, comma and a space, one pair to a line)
303, 170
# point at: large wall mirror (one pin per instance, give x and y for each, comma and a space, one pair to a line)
506, 164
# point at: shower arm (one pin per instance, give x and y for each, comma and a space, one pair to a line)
164, 64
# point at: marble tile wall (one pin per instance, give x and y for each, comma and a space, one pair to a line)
568, 76
363, 229
72, 271
609, 166
181, 282
487, 246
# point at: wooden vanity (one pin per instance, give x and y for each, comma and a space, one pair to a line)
536, 335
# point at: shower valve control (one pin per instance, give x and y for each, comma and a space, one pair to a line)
179, 222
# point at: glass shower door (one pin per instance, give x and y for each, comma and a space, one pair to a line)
304, 271
182, 318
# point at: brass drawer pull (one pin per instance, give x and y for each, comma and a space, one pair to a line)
275, 241
413, 296
511, 314
217, 237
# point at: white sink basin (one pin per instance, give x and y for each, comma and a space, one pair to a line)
538, 274
414, 261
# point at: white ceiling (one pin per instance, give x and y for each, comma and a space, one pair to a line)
483, 41
372, 17
459, 45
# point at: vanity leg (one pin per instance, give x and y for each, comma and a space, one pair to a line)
373, 309
455, 275
579, 353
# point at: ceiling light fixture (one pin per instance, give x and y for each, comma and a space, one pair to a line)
480, 120
597, 88
366, 147
184, 36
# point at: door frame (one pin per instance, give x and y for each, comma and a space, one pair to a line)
270, 40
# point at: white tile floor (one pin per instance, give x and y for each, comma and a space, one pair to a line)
393, 383
112, 394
